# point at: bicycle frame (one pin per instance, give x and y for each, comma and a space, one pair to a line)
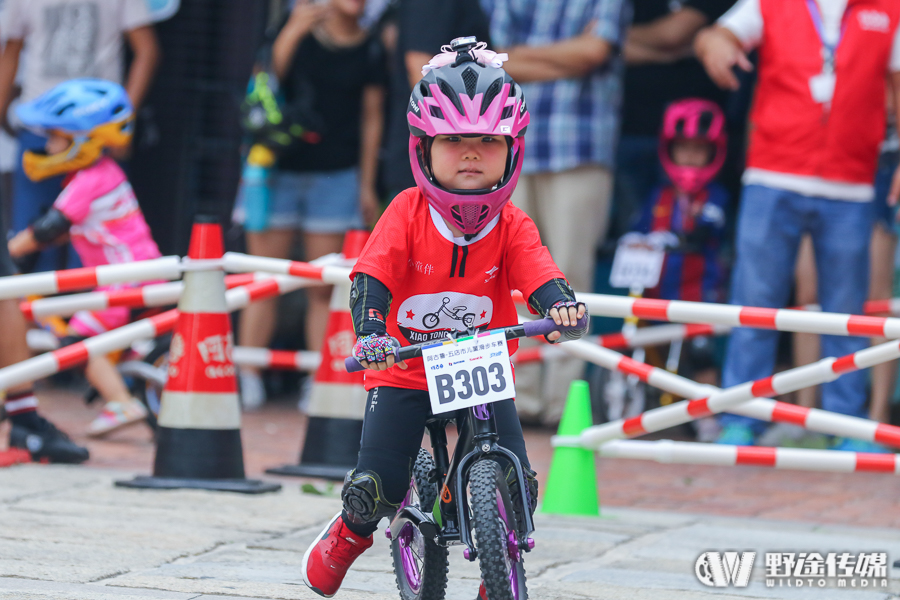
449, 523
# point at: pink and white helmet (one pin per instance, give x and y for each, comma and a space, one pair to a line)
693, 119
465, 91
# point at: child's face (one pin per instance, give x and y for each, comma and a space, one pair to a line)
468, 163
56, 144
691, 153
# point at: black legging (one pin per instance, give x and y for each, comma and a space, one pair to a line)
392, 432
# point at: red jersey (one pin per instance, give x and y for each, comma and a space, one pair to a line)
440, 284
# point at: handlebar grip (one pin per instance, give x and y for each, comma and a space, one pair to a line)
547, 326
352, 365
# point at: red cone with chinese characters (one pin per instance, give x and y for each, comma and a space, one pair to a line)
199, 434
338, 400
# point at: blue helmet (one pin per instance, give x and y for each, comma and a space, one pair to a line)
94, 113
76, 107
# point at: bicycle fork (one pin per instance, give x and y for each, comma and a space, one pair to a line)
484, 437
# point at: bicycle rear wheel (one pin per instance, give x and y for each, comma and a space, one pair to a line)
420, 564
494, 522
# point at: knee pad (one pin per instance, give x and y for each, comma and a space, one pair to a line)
531, 488
363, 497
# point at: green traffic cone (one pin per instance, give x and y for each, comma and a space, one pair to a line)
572, 483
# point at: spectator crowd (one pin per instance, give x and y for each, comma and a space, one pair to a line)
759, 134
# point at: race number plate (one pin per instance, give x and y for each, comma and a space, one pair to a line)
636, 266
467, 372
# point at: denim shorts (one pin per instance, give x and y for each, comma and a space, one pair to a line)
315, 202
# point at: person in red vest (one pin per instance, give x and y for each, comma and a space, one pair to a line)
817, 122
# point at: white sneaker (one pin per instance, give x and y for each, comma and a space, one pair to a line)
116, 415
253, 391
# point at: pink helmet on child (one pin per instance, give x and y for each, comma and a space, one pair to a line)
693, 119
465, 91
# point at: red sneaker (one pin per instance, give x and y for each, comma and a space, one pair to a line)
482, 593
327, 559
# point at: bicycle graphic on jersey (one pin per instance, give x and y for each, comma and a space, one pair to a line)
430, 320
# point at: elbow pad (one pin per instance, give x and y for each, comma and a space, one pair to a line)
50, 226
370, 302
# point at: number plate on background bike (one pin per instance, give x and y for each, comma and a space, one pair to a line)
636, 266
467, 372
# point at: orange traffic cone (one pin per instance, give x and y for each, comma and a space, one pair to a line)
198, 443
337, 400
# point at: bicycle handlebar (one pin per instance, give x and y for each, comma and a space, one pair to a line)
528, 329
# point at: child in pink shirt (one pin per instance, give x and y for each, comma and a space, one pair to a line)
97, 209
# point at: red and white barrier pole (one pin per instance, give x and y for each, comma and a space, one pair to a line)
285, 360
79, 353
645, 336
148, 296
694, 453
890, 306
118, 339
781, 319
55, 282
236, 262
738, 399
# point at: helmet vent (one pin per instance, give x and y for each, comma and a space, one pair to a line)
490, 94
436, 112
64, 108
470, 79
423, 89
507, 113
451, 95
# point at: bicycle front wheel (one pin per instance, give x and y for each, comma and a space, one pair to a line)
420, 565
494, 522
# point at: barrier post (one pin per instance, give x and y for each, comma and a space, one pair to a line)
199, 435
338, 400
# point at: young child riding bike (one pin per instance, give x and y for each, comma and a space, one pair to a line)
691, 205
455, 236
97, 209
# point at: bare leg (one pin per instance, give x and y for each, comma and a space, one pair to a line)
257, 322
316, 245
13, 347
806, 345
106, 379
884, 376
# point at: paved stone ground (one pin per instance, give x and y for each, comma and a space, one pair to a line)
273, 437
66, 533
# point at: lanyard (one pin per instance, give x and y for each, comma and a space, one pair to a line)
828, 50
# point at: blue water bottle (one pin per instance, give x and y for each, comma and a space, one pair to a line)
255, 184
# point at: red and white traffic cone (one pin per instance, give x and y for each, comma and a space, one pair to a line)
198, 443
337, 401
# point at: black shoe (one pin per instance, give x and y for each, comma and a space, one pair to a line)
47, 443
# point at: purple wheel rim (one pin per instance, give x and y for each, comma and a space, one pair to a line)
411, 555
513, 555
